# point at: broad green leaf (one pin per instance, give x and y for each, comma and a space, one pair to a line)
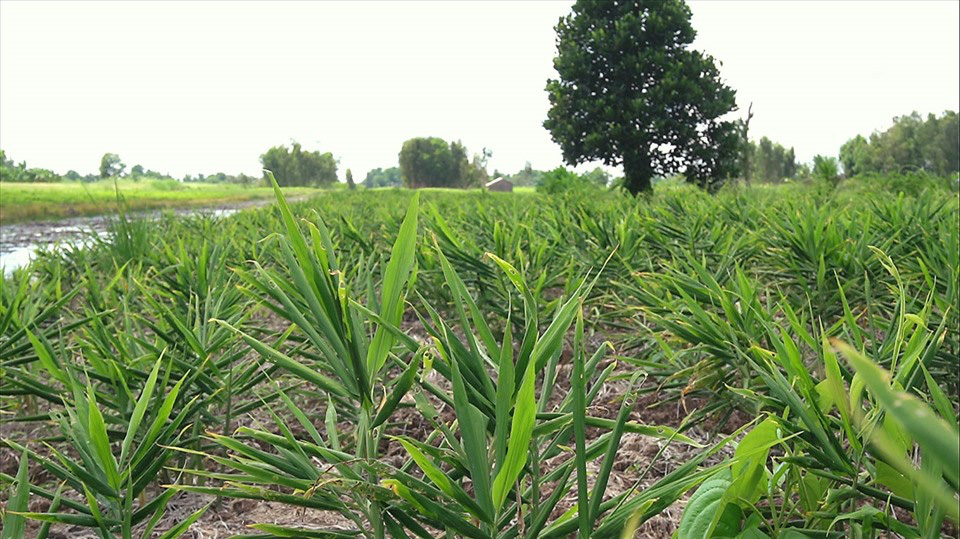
752, 453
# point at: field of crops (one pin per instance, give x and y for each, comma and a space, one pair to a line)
761, 362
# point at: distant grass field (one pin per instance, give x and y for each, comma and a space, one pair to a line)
36, 201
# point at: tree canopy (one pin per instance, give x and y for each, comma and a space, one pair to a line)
428, 162
631, 92
432, 162
380, 177
912, 143
296, 167
221, 177
769, 162
111, 165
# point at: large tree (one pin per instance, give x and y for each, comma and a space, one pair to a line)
856, 156
294, 166
431, 162
428, 162
631, 92
111, 165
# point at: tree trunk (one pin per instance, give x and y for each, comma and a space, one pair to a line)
637, 174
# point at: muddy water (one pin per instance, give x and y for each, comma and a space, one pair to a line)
20, 242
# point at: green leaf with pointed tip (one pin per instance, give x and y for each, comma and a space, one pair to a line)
139, 411
395, 277
400, 389
181, 527
518, 446
293, 366
473, 431
13, 526
101, 441
939, 439
45, 357
444, 483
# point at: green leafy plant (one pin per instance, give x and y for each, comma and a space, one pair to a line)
112, 478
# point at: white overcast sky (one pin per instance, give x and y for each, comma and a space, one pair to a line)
188, 87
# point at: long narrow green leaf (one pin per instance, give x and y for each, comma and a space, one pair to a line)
292, 365
938, 439
395, 277
578, 388
13, 526
139, 411
521, 430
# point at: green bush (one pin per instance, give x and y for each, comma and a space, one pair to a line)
826, 168
21, 173
166, 185
561, 180
908, 183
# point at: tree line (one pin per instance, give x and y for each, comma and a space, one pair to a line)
768, 162
911, 144
630, 92
422, 162
928, 144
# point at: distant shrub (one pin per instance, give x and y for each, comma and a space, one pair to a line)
21, 173
166, 185
18, 172
379, 177
826, 168
561, 180
908, 183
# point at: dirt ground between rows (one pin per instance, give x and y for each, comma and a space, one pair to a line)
232, 517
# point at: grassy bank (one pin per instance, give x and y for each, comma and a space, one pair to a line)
36, 201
